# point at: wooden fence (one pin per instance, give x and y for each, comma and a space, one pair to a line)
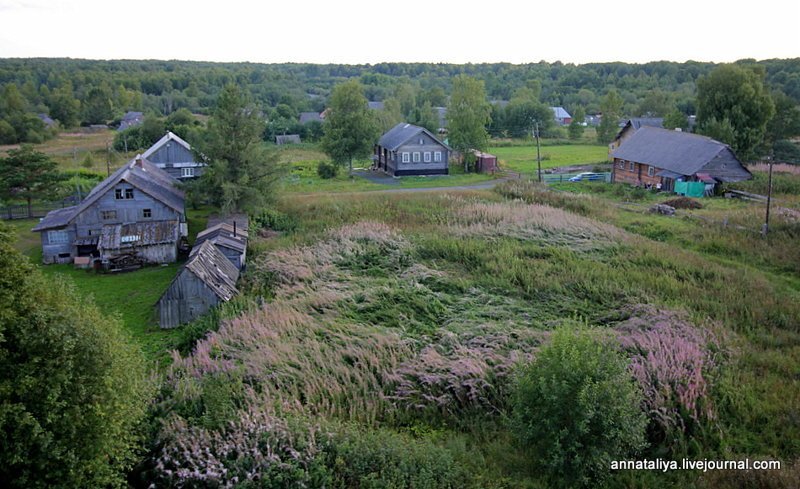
37, 210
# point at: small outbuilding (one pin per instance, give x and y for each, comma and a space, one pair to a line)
207, 280
287, 139
485, 162
230, 240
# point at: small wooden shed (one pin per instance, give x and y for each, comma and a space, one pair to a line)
485, 163
207, 279
229, 240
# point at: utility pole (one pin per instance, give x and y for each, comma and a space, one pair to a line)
538, 151
108, 159
765, 228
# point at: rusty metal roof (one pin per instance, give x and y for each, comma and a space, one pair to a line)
117, 236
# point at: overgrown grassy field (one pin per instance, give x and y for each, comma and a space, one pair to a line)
522, 159
403, 317
70, 150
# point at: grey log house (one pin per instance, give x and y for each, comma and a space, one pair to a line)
174, 155
137, 211
407, 149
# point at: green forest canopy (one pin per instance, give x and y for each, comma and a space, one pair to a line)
165, 86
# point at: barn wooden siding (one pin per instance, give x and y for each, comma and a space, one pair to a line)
207, 279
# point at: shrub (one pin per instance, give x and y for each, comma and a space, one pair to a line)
327, 170
275, 220
576, 407
72, 390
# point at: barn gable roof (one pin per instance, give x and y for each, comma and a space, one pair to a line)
169, 136
560, 113
401, 133
139, 173
209, 265
676, 151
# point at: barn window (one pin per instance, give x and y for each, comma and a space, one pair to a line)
406, 158
651, 171
187, 172
421, 141
108, 215
147, 213
416, 157
118, 194
631, 165
58, 237
128, 193
437, 156
427, 157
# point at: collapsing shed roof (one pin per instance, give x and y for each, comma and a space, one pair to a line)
138, 234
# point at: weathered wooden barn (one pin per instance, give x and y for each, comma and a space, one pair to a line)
136, 208
561, 116
207, 279
174, 155
229, 239
660, 158
630, 127
407, 149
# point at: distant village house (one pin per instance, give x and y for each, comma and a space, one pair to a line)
407, 149
131, 119
174, 155
561, 116
668, 160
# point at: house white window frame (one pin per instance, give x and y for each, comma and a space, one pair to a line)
58, 236
417, 157
651, 171
621, 164
437, 156
426, 157
631, 166
406, 157
187, 172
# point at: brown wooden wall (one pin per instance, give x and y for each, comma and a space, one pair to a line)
639, 175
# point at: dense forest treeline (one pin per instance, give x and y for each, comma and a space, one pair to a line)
165, 86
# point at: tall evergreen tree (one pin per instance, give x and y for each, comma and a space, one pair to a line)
241, 176
28, 174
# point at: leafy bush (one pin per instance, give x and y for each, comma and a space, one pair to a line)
327, 170
72, 390
576, 407
275, 220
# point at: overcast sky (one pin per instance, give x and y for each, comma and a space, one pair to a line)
360, 31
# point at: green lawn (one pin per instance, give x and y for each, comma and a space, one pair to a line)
303, 178
132, 295
523, 158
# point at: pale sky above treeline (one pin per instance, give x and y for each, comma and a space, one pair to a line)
362, 31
